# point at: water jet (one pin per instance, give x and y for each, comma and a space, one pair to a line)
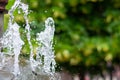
42, 67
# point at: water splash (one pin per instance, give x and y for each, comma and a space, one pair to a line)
11, 40
44, 63
45, 53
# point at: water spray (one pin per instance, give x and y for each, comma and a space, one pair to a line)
42, 67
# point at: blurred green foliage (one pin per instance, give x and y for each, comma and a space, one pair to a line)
87, 32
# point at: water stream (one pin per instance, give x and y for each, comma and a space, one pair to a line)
40, 68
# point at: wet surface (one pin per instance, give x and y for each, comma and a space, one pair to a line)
4, 75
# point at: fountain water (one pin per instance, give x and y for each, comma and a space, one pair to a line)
40, 68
